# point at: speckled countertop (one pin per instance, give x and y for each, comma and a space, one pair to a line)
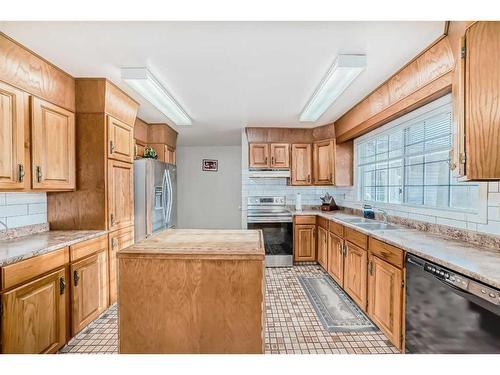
25, 247
479, 263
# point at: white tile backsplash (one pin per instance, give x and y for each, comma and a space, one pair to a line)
21, 209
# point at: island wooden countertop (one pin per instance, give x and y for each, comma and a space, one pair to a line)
199, 244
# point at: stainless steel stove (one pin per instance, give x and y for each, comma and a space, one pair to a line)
271, 216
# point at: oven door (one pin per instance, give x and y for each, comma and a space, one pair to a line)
278, 242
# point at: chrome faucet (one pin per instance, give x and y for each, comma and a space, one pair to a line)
384, 214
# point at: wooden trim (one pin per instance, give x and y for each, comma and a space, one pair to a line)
25, 270
28, 71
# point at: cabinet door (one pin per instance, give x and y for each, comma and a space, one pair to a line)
118, 240
323, 247
34, 316
304, 242
280, 155
355, 273
323, 162
481, 91
120, 140
12, 124
52, 146
259, 155
169, 154
336, 258
120, 195
139, 150
89, 290
301, 164
385, 298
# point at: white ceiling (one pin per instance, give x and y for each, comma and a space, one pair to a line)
228, 75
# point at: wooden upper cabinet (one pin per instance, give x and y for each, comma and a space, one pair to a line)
52, 146
280, 155
323, 247
324, 163
304, 242
120, 194
479, 104
89, 290
336, 258
118, 240
355, 273
34, 316
385, 298
120, 140
12, 133
169, 155
301, 164
258, 156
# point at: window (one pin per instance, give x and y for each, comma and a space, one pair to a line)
407, 163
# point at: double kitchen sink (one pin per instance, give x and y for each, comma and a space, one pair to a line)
370, 224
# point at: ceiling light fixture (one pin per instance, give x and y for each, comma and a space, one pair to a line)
342, 73
146, 85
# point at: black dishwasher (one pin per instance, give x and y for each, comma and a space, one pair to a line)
447, 312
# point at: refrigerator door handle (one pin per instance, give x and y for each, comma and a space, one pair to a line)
170, 196
164, 203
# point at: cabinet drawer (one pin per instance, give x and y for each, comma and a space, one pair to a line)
86, 248
389, 253
337, 229
28, 269
322, 222
300, 219
356, 237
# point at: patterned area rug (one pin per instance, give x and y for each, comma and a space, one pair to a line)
334, 308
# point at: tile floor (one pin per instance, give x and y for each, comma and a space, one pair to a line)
292, 326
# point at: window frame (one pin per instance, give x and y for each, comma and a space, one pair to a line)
477, 216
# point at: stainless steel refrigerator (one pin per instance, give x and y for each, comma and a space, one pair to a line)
154, 197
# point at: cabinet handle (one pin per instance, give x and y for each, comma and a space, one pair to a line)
272, 160
38, 173
112, 219
76, 277
21, 172
308, 178
331, 177
113, 244
62, 285
111, 147
344, 246
370, 267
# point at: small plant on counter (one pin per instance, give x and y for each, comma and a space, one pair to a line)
150, 153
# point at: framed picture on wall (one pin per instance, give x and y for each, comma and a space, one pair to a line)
210, 165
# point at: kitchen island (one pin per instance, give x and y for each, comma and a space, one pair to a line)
192, 291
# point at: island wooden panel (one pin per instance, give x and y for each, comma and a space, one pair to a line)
26, 70
204, 298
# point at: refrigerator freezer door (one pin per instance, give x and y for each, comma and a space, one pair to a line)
158, 197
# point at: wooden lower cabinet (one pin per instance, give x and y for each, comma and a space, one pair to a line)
385, 298
336, 258
89, 290
323, 247
355, 273
34, 315
118, 240
304, 242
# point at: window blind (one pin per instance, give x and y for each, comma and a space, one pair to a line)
409, 164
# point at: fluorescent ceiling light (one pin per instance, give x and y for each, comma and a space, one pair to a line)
342, 73
146, 85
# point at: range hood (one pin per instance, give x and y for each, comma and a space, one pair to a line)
269, 173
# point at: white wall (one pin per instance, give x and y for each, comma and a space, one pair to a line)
208, 199
22, 209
